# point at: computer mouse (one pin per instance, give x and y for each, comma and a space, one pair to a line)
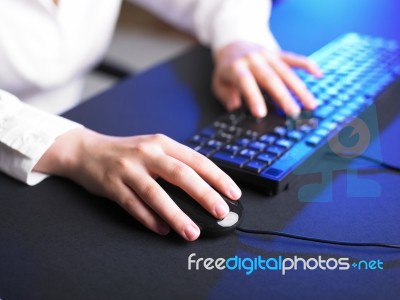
208, 224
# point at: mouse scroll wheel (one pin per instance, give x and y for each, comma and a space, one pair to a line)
230, 220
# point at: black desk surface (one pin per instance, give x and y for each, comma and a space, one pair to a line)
59, 242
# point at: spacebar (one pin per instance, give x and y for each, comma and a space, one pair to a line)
229, 158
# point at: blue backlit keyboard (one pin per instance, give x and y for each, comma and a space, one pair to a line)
265, 152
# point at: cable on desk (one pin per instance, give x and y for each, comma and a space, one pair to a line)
315, 240
368, 158
331, 242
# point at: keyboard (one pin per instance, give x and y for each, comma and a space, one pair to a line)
265, 152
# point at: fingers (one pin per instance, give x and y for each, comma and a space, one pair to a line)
270, 80
242, 68
186, 178
237, 79
162, 204
247, 84
184, 168
123, 169
302, 62
227, 93
294, 83
130, 201
205, 168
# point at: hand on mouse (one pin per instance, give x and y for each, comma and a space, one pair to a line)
242, 68
124, 169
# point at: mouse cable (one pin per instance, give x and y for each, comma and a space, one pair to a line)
331, 242
316, 240
368, 158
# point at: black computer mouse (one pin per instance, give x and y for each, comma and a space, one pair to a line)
208, 224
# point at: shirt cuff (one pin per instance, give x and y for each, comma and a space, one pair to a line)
26, 133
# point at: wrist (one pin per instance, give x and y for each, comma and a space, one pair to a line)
64, 156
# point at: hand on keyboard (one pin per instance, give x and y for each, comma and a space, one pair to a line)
243, 68
266, 152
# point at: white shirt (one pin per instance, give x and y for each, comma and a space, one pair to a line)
45, 50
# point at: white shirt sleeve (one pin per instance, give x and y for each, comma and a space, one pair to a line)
25, 135
45, 47
43, 50
52, 57
217, 23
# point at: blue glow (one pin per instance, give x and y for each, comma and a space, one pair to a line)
305, 25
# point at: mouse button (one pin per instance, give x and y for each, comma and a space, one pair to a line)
231, 219
229, 201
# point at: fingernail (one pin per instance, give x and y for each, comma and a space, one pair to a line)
312, 103
221, 209
261, 111
320, 73
294, 113
163, 229
235, 192
191, 232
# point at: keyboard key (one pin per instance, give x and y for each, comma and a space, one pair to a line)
306, 128
339, 118
230, 159
284, 143
274, 172
220, 125
295, 135
208, 132
280, 131
275, 150
305, 117
336, 103
332, 91
192, 145
232, 149
361, 100
255, 166
329, 126
266, 158
243, 141
248, 153
345, 112
236, 116
324, 111
353, 106
224, 137
198, 140
232, 129
267, 139
214, 144
319, 101
251, 134
206, 151
324, 97
257, 145
321, 132
314, 140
